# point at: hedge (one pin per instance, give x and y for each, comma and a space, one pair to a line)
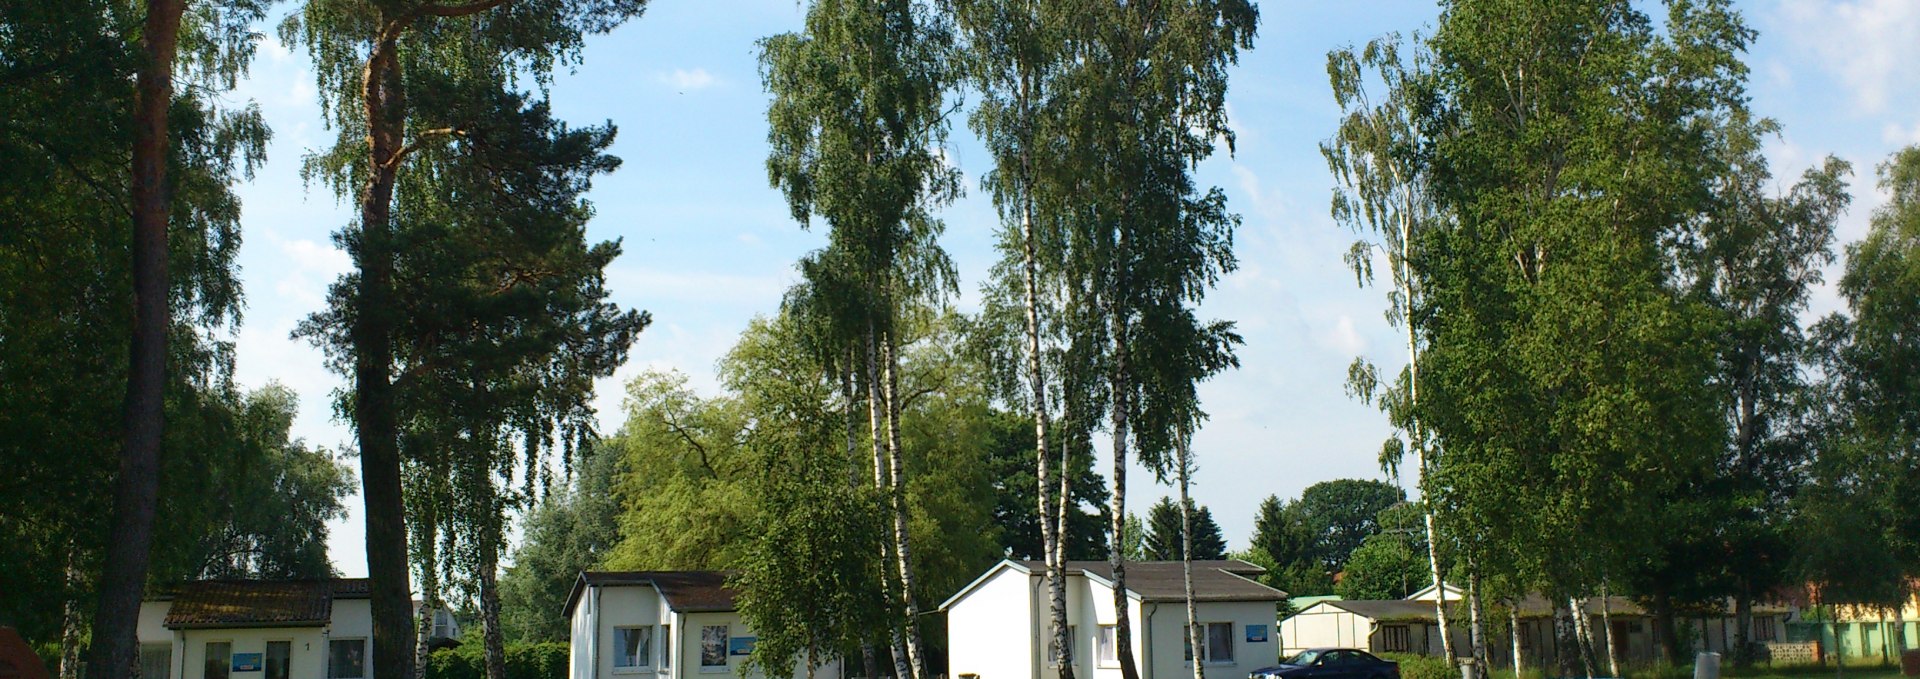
1413, 666
546, 660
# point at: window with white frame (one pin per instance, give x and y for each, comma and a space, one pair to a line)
1395, 638
347, 659
1763, 629
218, 661
279, 662
713, 647
632, 648
1219, 642
1107, 646
1216, 643
666, 646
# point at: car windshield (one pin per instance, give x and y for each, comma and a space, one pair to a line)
1304, 658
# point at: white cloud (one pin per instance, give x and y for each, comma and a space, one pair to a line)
1268, 206
1898, 135
688, 80
1869, 45
1344, 337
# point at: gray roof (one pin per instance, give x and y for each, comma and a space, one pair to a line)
1533, 606
1161, 581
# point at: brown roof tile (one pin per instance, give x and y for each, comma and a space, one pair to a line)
259, 603
685, 591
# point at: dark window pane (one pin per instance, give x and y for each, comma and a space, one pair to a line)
219, 654
347, 659
279, 656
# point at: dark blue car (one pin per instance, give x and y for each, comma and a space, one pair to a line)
1330, 663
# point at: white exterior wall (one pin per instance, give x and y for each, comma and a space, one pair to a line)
626, 606
991, 632
603, 608
1323, 625
1169, 620
308, 646
580, 629
352, 619
1100, 611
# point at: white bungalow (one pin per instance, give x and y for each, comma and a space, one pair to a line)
997, 625
258, 629
647, 624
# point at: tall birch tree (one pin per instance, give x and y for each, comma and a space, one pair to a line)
1382, 193
1015, 61
1147, 92
858, 120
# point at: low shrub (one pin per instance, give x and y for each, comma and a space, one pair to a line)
1414, 666
546, 660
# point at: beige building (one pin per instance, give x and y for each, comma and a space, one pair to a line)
658, 624
997, 626
256, 629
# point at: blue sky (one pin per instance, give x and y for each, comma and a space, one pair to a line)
709, 245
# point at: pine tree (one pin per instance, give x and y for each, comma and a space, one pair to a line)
1163, 541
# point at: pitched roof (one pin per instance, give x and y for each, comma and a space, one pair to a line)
1159, 581
1388, 609
685, 591
1533, 606
259, 603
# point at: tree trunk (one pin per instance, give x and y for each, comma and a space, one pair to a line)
1476, 629
429, 588
871, 661
1418, 439
1513, 623
1583, 636
70, 617
903, 551
1050, 538
853, 427
1564, 636
1122, 625
1663, 625
494, 639
881, 483
1433, 568
1186, 561
1606, 630
1742, 630
376, 429
114, 651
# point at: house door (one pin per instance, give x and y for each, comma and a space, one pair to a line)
1622, 641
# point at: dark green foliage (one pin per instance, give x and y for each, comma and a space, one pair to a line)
545, 660
65, 307
1283, 542
1342, 514
1867, 471
569, 531
1385, 566
1422, 666
806, 579
1565, 354
1163, 534
1014, 511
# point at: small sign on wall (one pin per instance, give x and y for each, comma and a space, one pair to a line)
1256, 634
246, 662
